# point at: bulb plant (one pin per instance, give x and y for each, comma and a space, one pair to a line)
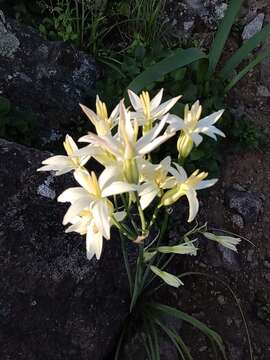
132, 186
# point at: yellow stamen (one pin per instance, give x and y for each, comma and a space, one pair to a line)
101, 110
95, 184
145, 100
68, 147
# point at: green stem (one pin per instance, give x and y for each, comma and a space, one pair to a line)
143, 222
154, 217
124, 229
162, 232
137, 287
125, 256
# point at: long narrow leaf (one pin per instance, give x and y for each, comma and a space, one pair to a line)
249, 67
171, 336
155, 337
191, 320
222, 34
177, 341
244, 50
179, 59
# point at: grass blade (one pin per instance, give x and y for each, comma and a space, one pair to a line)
250, 66
171, 336
222, 34
112, 66
178, 59
167, 310
176, 340
244, 50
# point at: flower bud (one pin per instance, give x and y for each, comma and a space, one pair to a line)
131, 172
184, 145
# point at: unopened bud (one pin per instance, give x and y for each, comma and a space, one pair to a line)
131, 171
184, 145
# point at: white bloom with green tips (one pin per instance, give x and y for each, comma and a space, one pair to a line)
168, 278
227, 241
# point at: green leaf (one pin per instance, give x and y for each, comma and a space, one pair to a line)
139, 53
244, 50
177, 60
197, 154
194, 322
112, 66
201, 70
250, 66
222, 34
179, 74
176, 340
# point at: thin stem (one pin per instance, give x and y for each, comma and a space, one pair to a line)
143, 222
162, 232
125, 256
137, 287
154, 217
124, 229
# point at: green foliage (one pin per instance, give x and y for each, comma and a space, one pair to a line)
16, 125
80, 22
204, 74
143, 19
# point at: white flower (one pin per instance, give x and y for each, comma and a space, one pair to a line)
93, 195
84, 224
102, 122
227, 241
169, 279
155, 179
191, 127
146, 110
187, 186
63, 164
124, 147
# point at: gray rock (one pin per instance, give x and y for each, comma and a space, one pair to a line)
9, 43
253, 27
263, 91
48, 79
229, 259
246, 203
55, 304
237, 221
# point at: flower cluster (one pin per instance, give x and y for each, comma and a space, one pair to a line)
122, 144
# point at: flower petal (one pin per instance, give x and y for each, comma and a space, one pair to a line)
193, 204
76, 208
110, 174
135, 100
118, 187
155, 102
205, 184
165, 107
210, 119
94, 242
72, 194
100, 213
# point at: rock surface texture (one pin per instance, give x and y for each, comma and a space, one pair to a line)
47, 78
54, 303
